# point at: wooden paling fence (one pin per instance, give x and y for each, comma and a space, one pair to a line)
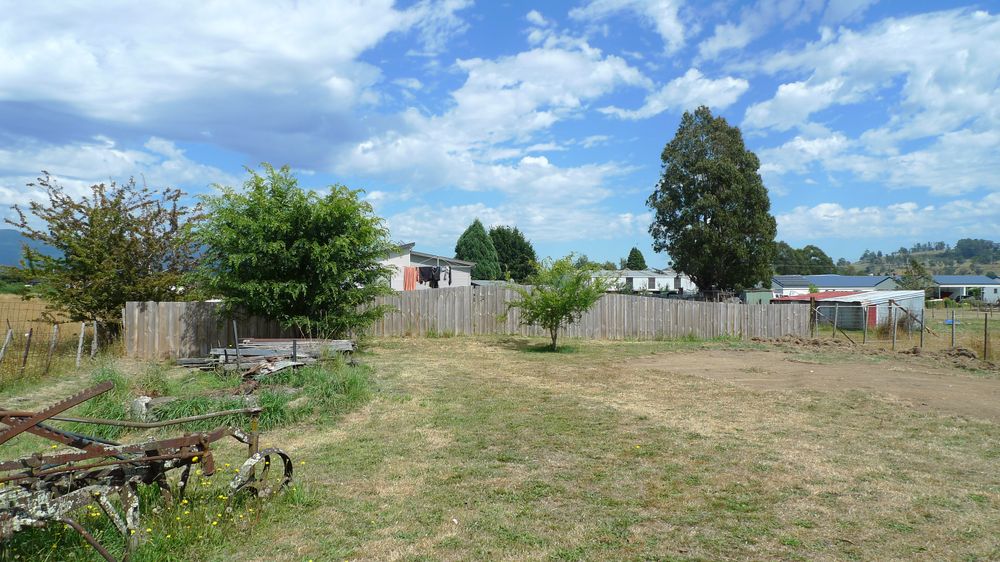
190, 329
162, 330
479, 310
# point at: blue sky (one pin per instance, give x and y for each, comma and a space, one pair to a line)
877, 123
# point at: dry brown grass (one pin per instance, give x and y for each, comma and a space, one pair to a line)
488, 449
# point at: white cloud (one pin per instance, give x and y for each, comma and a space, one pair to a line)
948, 220
845, 11
118, 60
495, 116
77, 166
408, 83
440, 226
755, 21
661, 14
535, 17
687, 92
941, 82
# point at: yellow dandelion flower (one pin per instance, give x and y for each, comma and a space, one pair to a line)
168, 536
55, 446
214, 523
187, 513
184, 502
227, 465
131, 531
148, 530
194, 459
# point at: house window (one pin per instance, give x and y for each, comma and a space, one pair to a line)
652, 284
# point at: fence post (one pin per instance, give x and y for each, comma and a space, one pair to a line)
27, 346
864, 322
79, 346
836, 315
892, 318
52, 347
953, 329
922, 327
813, 317
986, 336
6, 341
236, 338
93, 343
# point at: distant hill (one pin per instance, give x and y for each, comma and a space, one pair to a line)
969, 256
10, 246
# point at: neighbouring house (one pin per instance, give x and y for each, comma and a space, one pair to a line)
852, 309
414, 271
650, 280
957, 287
790, 285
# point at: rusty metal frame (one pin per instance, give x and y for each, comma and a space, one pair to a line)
46, 488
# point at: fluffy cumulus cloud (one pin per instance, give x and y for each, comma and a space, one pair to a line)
662, 15
441, 226
756, 20
687, 92
484, 140
939, 130
958, 217
76, 166
246, 79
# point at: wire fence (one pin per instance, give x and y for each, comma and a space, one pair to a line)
35, 342
898, 328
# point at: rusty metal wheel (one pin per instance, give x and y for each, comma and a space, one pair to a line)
260, 477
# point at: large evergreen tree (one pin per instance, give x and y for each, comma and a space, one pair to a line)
635, 260
514, 252
712, 211
476, 246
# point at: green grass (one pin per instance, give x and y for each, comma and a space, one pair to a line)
485, 448
325, 392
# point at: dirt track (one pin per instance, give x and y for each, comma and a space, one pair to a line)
923, 386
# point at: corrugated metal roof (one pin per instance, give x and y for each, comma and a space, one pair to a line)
632, 273
818, 296
790, 281
878, 297
833, 280
974, 280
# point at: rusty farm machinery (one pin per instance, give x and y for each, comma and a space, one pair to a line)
43, 489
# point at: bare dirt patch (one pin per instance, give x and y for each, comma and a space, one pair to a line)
914, 383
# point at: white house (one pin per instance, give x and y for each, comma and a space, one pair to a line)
651, 280
961, 286
414, 271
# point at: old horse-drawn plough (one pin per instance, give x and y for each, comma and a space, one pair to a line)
47, 488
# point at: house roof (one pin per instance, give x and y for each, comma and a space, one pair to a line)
879, 297
635, 273
818, 296
790, 281
959, 280
830, 281
451, 261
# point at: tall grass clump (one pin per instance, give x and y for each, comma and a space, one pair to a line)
113, 404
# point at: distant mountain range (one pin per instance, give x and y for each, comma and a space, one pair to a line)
10, 246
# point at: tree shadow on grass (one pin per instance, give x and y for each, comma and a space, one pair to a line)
526, 345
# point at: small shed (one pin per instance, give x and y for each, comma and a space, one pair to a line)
871, 307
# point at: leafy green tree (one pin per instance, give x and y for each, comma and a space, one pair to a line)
712, 211
514, 252
310, 260
476, 246
816, 261
560, 293
787, 260
118, 243
635, 260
